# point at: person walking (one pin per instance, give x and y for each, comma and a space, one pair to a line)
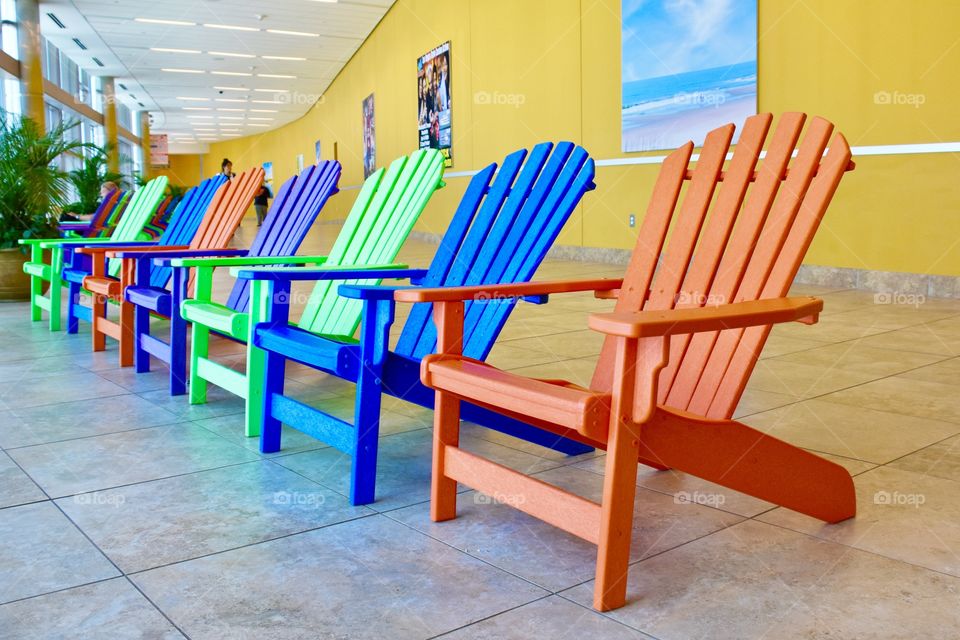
261, 201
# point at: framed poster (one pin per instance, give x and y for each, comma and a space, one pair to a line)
433, 101
299, 163
369, 138
268, 173
160, 151
686, 70
316, 151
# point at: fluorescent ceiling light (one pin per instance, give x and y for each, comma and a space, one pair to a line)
229, 109
284, 32
232, 88
231, 100
198, 117
256, 118
231, 55
254, 124
265, 102
178, 23
193, 99
231, 117
197, 109
230, 73
291, 58
166, 50
181, 70
273, 90
262, 110
231, 27
275, 75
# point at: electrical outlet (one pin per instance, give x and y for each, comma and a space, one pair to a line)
633, 220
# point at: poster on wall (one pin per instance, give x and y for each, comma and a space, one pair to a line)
316, 151
369, 138
159, 151
686, 70
268, 173
433, 101
299, 163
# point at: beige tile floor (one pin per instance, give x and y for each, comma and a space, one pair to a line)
125, 513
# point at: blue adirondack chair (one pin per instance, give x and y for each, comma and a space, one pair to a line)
500, 233
183, 225
294, 209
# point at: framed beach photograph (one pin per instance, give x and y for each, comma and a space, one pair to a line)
688, 66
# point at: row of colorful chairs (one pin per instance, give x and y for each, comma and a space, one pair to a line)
673, 365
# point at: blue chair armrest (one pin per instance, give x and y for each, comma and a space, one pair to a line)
379, 272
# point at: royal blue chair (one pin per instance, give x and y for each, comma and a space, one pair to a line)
501, 232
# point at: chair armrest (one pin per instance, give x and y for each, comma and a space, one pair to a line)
504, 291
118, 246
241, 261
346, 272
646, 324
369, 292
176, 252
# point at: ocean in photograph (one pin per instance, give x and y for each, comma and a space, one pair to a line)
666, 111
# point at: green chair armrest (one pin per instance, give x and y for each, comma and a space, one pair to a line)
244, 261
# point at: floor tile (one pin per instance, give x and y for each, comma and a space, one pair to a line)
906, 396
219, 403
41, 551
857, 357
91, 464
758, 582
24, 370
231, 427
16, 487
108, 610
941, 460
79, 419
368, 578
56, 389
154, 523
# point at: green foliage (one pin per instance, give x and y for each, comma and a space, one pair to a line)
176, 190
32, 187
88, 179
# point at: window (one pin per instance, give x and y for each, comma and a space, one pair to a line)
8, 28
10, 93
51, 61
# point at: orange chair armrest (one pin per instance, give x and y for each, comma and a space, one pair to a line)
112, 251
646, 324
503, 291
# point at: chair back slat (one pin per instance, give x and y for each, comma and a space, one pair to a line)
379, 221
100, 217
295, 208
226, 212
140, 209
749, 246
114, 215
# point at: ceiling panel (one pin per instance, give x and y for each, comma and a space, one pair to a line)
238, 94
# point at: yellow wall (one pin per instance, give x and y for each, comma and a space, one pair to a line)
561, 58
184, 171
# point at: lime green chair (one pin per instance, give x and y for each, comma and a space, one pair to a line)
388, 205
130, 228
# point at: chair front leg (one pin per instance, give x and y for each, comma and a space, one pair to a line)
56, 287
199, 349
374, 341
36, 285
73, 301
133, 272
270, 302
178, 334
448, 317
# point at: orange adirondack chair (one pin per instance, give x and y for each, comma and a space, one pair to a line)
674, 363
223, 216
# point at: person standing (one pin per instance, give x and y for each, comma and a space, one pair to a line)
226, 168
261, 202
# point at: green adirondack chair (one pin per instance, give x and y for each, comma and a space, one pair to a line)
129, 229
389, 203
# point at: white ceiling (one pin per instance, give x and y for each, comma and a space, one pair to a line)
224, 103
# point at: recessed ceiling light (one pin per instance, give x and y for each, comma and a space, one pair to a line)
231, 117
275, 75
284, 32
206, 130
291, 58
256, 118
254, 124
229, 109
230, 73
197, 108
182, 70
193, 99
231, 27
166, 50
179, 23
231, 55
199, 117
262, 110
273, 90
231, 100
232, 88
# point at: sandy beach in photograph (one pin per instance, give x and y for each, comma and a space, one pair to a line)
670, 130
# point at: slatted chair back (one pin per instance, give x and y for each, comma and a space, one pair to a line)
102, 215
185, 221
114, 215
294, 210
226, 211
737, 234
138, 212
501, 232
388, 205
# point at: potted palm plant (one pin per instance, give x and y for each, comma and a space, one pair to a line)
88, 179
33, 189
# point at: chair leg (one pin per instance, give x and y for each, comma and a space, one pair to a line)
55, 286
141, 327
127, 332
73, 301
446, 432
36, 292
178, 354
273, 373
99, 311
363, 472
199, 349
616, 519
